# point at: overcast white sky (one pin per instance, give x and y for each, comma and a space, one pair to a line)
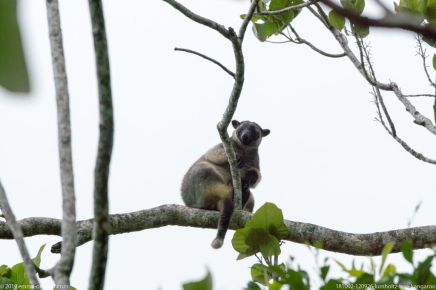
326, 161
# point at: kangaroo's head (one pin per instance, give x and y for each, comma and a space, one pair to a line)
248, 134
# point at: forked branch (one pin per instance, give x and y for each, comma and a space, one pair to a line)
236, 40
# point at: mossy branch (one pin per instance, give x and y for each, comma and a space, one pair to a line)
169, 215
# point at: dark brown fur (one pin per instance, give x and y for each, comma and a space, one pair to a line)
208, 182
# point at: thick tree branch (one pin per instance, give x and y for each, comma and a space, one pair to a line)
16, 232
166, 215
420, 119
207, 58
62, 270
399, 21
105, 143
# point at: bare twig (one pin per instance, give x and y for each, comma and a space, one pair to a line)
16, 233
287, 9
166, 215
63, 268
415, 211
406, 146
364, 52
402, 21
423, 54
420, 95
300, 40
232, 74
199, 19
105, 143
279, 42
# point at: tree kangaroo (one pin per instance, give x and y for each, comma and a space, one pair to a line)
208, 182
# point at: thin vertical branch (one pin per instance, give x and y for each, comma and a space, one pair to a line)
63, 268
434, 106
101, 202
17, 233
233, 103
422, 52
364, 53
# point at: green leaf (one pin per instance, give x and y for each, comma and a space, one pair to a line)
254, 18
385, 252
239, 243
336, 20
295, 279
422, 272
331, 285
13, 71
18, 273
407, 247
280, 270
271, 247
434, 61
5, 271
405, 279
413, 8
203, 284
252, 286
5, 282
275, 286
266, 26
324, 270
365, 278
37, 259
360, 31
390, 271
260, 274
270, 218
356, 6
430, 11
264, 30
262, 233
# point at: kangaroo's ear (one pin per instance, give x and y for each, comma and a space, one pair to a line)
235, 124
265, 132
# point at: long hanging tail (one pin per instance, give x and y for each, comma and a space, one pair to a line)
226, 211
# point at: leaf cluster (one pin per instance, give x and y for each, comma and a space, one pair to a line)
15, 276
